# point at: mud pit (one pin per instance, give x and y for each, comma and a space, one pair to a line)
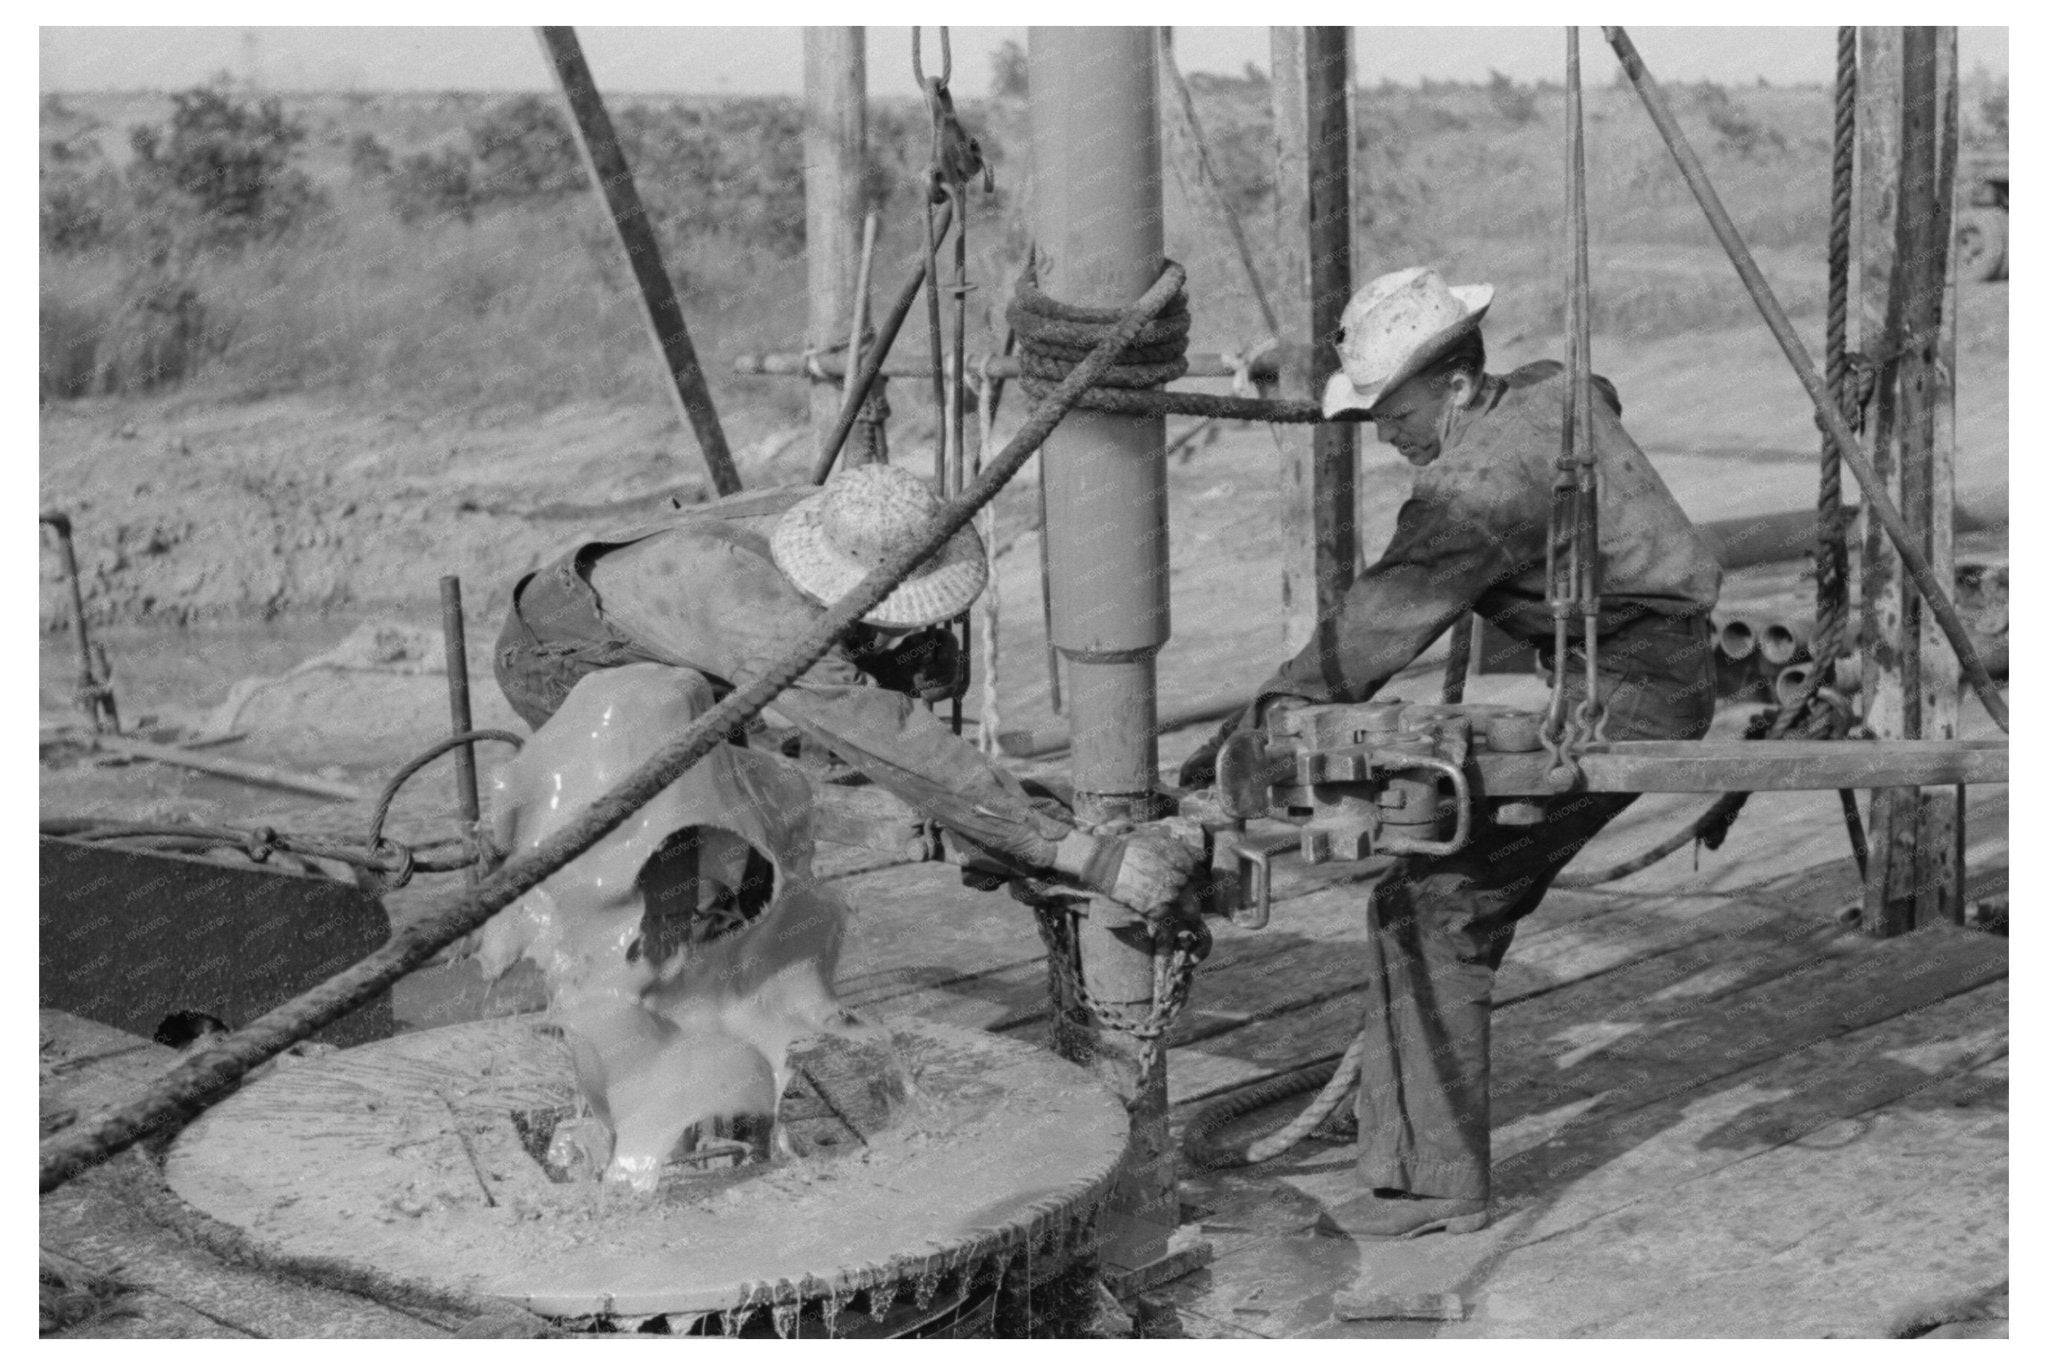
406, 1156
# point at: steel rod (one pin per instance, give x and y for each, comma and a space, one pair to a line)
1875, 498
1205, 175
857, 335
811, 365
455, 652
662, 311
906, 299
259, 774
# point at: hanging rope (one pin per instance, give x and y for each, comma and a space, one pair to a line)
1831, 555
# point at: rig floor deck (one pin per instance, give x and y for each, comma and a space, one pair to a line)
1718, 1109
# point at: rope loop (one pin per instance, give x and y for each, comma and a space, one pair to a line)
1053, 336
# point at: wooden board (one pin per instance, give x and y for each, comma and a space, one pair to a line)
1608, 1170
96, 1222
1549, 962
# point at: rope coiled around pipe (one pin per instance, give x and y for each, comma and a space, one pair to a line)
200, 1080
1052, 336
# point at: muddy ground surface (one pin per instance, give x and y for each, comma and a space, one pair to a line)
269, 568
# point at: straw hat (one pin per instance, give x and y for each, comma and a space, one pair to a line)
1393, 329
829, 542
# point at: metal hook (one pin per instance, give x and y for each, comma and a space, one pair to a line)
917, 58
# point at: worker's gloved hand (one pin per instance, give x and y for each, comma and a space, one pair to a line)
1146, 869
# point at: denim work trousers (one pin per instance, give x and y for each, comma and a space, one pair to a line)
1441, 926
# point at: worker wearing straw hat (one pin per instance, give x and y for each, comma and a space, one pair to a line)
724, 589
1471, 537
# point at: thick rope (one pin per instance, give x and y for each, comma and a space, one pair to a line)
1831, 555
200, 1080
1336, 1080
1052, 335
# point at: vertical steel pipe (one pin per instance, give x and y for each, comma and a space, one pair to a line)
1100, 234
1100, 242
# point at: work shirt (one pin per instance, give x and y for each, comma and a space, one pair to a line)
1471, 537
703, 592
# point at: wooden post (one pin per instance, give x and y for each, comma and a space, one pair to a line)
662, 311
1911, 679
1312, 177
835, 196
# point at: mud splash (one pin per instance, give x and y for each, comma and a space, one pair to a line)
689, 949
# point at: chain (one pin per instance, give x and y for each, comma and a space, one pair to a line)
956, 160
1177, 949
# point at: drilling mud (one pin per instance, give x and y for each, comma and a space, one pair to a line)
409, 1156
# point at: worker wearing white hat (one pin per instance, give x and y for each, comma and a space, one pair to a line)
724, 590
1473, 537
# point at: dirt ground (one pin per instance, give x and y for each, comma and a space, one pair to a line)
230, 542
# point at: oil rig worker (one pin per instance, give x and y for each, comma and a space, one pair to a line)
725, 590
1471, 538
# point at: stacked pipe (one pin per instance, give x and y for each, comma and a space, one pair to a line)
1772, 660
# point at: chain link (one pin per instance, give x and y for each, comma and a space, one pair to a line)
1178, 948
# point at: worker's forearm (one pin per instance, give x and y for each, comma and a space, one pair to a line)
905, 749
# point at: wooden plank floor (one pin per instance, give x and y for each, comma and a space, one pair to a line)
175, 1289
1718, 1109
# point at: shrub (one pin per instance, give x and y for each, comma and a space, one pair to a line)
78, 209
433, 185
228, 161
368, 158
525, 152
1740, 131
1514, 104
122, 331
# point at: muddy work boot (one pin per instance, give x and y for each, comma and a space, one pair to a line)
1396, 1213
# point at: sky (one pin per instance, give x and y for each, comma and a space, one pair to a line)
770, 60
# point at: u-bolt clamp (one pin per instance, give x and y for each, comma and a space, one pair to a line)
1461, 794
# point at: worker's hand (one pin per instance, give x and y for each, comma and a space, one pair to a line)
1155, 870
1146, 869
1199, 770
